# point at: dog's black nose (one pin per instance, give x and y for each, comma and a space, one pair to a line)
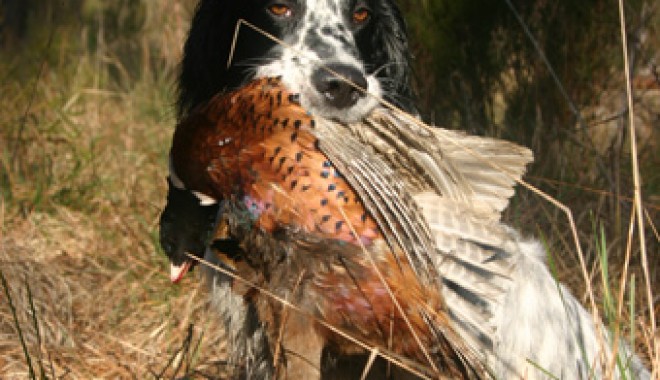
335, 90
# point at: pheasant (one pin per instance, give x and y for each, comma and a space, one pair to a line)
367, 228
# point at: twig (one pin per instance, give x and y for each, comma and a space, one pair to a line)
636, 177
285, 315
622, 288
607, 193
653, 227
370, 363
185, 350
175, 355
35, 322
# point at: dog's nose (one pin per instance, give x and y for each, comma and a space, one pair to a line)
335, 90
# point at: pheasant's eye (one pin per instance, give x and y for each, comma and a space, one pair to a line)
361, 15
280, 10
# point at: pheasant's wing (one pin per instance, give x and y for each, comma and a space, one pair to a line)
479, 172
476, 258
384, 193
390, 159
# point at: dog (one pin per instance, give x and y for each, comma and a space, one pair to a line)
343, 57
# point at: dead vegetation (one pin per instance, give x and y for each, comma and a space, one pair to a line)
89, 308
84, 134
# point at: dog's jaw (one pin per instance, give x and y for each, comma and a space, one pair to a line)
296, 73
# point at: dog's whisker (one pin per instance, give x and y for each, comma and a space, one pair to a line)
386, 65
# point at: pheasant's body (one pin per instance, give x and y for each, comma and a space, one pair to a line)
307, 236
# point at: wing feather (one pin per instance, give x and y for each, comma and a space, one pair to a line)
475, 170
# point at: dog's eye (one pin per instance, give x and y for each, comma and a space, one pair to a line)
280, 10
361, 15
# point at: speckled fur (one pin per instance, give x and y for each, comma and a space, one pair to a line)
322, 38
249, 356
541, 322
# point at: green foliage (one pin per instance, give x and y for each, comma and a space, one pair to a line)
80, 61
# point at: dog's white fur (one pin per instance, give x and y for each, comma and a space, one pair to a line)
541, 325
249, 356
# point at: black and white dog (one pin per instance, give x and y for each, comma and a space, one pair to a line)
363, 41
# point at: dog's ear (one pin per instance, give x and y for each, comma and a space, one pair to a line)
391, 41
204, 58
204, 70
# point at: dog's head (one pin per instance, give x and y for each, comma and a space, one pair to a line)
332, 52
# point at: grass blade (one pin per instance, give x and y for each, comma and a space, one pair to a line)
26, 352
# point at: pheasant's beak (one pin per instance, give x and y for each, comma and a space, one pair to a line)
178, 271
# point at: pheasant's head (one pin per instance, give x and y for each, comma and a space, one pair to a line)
184, 228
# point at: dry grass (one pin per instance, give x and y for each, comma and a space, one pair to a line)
103, 310
82, 182
82, 178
